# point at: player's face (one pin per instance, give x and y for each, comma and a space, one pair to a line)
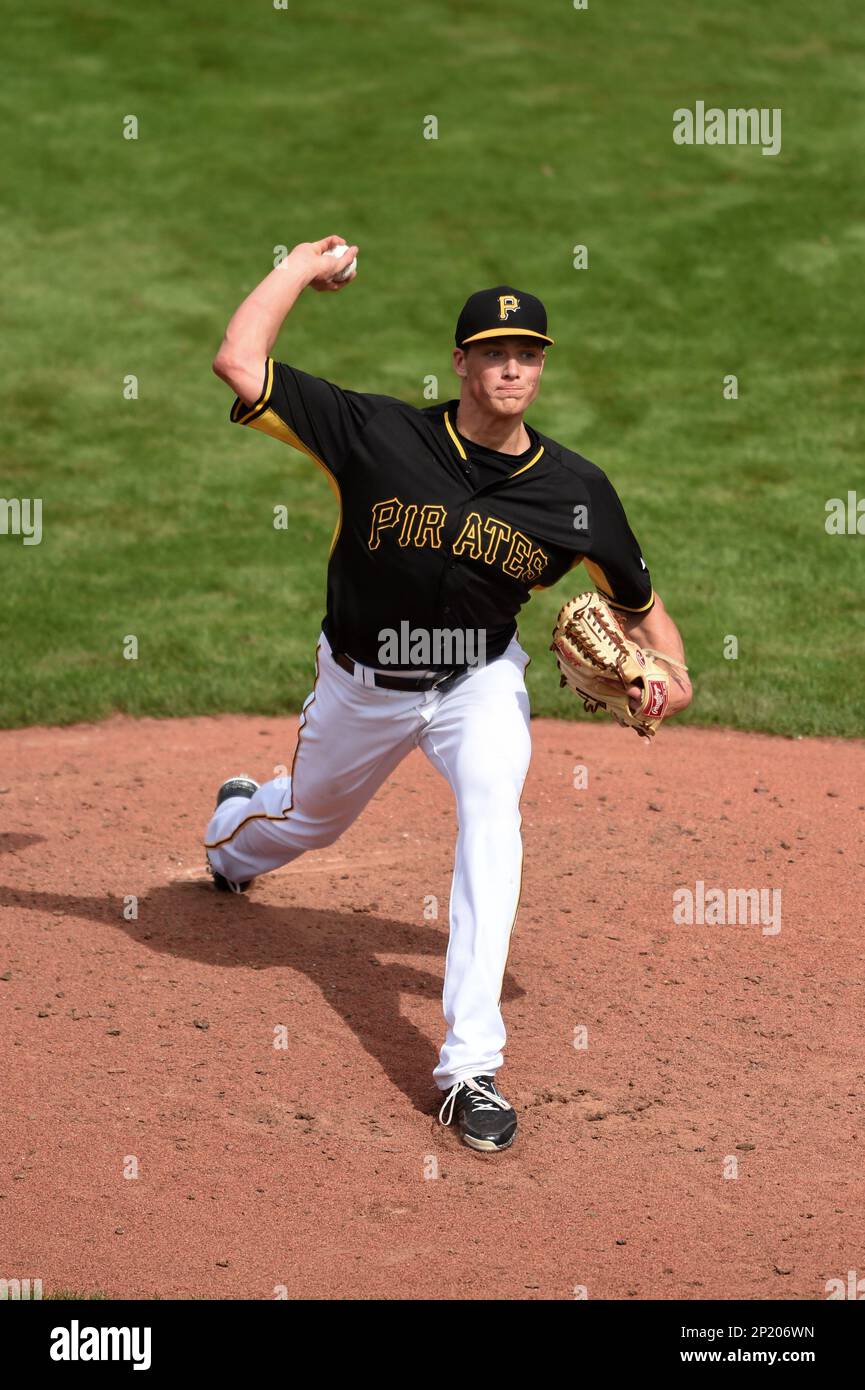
503, 374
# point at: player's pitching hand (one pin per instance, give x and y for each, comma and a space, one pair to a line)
324, 270
634, 693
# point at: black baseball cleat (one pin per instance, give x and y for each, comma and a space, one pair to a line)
486, 1120
235, 786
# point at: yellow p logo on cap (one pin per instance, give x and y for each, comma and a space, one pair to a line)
508, 304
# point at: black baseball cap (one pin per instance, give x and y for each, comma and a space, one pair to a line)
499, 313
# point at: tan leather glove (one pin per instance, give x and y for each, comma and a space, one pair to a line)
599, 663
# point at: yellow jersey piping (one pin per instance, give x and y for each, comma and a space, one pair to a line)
463, 455
239, 406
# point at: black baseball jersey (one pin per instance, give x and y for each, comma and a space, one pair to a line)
437, 531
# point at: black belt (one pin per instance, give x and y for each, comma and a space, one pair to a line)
439, 682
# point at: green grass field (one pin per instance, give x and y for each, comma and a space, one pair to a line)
260, 127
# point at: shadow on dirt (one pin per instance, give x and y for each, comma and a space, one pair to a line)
13, 840
339, 951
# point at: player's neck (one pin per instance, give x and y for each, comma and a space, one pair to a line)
506, 436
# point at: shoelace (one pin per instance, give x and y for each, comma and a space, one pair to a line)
234, 887
484, 1096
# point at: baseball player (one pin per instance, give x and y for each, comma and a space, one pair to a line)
449, 517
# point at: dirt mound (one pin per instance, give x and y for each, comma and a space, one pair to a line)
231, 1097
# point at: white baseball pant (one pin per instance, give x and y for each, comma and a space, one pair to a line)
351, 736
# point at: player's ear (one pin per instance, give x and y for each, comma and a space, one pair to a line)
459, 359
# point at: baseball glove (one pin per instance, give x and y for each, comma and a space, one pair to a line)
599, 663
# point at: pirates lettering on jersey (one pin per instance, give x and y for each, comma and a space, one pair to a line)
420, 525
487, 538
498, 533
439, 531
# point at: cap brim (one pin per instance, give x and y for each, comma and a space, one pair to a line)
507, 333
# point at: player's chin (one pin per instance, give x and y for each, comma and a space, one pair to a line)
509, 405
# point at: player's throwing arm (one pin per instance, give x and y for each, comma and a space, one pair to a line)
252, 330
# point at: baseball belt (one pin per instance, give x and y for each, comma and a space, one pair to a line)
443, 681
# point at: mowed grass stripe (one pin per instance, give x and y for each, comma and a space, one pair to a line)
262, 127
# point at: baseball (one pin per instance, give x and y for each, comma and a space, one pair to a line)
338, 251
